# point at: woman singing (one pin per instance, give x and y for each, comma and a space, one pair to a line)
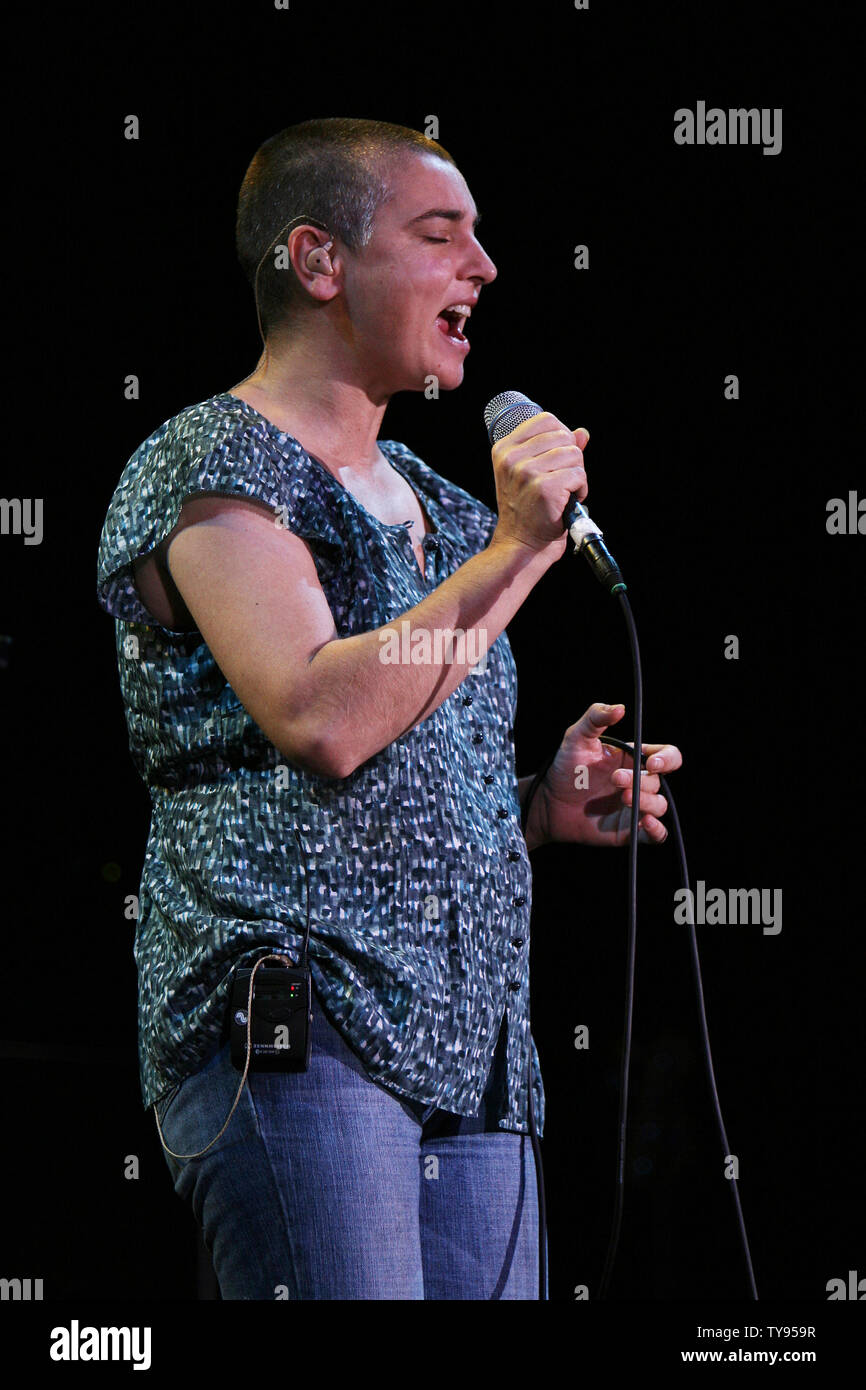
320, 697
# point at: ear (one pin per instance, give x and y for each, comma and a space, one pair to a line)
316, 262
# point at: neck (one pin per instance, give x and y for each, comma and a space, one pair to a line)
317, 393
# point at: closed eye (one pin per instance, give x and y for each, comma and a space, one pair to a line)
437, 238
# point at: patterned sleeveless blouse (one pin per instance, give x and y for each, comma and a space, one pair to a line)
419, 878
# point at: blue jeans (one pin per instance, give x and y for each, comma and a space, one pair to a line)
327, 1186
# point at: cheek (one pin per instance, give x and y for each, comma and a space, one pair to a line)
398, 305
398, 322
387, 309
414, 293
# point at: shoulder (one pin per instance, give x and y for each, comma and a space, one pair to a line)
216, 446
212, 437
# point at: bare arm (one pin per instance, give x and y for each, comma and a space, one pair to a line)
331, 703
328, 703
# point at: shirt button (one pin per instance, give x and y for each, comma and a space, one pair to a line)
513, 856
478, 738
502, 813
487, 779
467, 699
517, 940
514, 986
519, 902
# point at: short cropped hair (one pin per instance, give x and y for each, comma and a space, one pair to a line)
336, 171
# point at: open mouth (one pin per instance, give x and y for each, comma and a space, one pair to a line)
451, 320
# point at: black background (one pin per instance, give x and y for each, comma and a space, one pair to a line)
703, 262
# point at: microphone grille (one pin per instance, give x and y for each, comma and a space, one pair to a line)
506, 411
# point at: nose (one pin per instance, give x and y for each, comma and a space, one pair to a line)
483, 270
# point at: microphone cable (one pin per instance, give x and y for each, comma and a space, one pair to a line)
622, 1125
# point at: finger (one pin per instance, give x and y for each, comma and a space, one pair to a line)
651, 831
542, 427
617, 825
581, 437
662, 757
554, 459
656, 805
572, 478
556, 475
624, 776
596, 719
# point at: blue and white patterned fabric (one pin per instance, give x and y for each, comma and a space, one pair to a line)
419, 877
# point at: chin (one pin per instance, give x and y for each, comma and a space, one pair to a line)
452, 383
448, 374
415, 374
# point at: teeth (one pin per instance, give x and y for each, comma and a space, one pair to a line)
462, 311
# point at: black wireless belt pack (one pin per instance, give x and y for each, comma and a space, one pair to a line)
279, 1032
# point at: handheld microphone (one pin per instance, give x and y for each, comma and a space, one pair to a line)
502, 415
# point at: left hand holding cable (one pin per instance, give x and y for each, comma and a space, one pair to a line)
586, 794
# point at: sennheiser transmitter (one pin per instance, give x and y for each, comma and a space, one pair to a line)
279, 1031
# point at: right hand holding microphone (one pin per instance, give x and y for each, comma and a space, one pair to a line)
537, 467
